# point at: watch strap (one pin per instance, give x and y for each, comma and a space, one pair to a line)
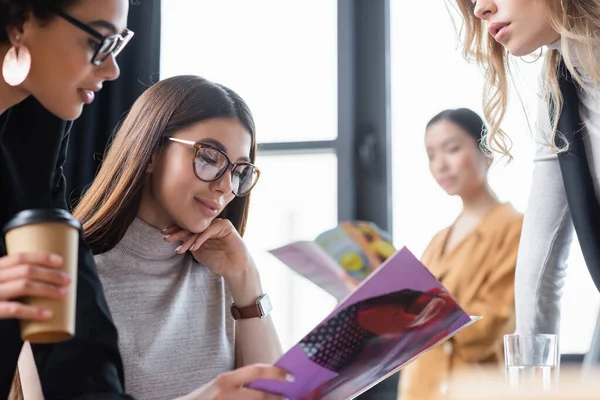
251, 311
255, 310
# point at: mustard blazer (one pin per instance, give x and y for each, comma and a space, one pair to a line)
479, 273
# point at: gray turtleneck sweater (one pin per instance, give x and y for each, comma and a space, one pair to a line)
175, 329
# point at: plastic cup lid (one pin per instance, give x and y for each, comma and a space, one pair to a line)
35, 216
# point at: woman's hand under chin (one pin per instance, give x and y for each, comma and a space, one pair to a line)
220, 248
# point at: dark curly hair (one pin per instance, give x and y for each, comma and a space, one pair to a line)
14, 12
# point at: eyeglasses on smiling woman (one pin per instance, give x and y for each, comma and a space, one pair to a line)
106, 45
210, 163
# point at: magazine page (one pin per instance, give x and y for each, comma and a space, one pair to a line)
310, 261
397, 313
358, 246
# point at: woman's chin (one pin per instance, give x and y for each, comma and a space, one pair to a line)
522, 50
196, 227
519, 52
451, 191
69, 113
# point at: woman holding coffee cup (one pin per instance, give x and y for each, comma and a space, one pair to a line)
55, 54
165, 217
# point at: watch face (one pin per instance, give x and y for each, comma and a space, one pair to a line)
264, 303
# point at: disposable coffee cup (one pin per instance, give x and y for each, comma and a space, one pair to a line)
53, 231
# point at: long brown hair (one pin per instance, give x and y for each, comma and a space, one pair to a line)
111, 203
576, 21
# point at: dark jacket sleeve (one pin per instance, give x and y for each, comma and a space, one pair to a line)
89, 365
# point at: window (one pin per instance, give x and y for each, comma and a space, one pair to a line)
281, 57
429, 75
293, 200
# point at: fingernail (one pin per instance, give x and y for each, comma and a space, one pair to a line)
55, 258
66, 277
46, 313
167, 236
177, 249
63, 290
164, 230
194, 247
289, 378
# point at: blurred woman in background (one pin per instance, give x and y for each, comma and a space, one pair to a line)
474, 258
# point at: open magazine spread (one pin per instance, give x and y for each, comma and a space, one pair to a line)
397, 313
339, 259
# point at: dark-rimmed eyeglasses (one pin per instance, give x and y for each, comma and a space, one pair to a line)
111, 44
210, 163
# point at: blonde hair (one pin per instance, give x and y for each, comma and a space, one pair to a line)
16, 390
578, 24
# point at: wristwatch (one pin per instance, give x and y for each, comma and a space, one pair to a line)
260, 309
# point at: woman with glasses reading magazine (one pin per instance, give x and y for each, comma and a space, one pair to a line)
165, 217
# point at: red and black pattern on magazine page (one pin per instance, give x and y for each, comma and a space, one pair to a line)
363, 339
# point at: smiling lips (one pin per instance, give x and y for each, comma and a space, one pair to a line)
88, 94
446, 181
208, 208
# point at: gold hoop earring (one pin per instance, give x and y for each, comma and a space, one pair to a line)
16, 65
537, 58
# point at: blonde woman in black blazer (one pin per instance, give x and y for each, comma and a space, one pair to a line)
565, 191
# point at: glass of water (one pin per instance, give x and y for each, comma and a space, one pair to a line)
532, 361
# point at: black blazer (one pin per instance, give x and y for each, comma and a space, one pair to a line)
33, 146
583, 204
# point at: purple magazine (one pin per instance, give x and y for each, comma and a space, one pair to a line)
397, 313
